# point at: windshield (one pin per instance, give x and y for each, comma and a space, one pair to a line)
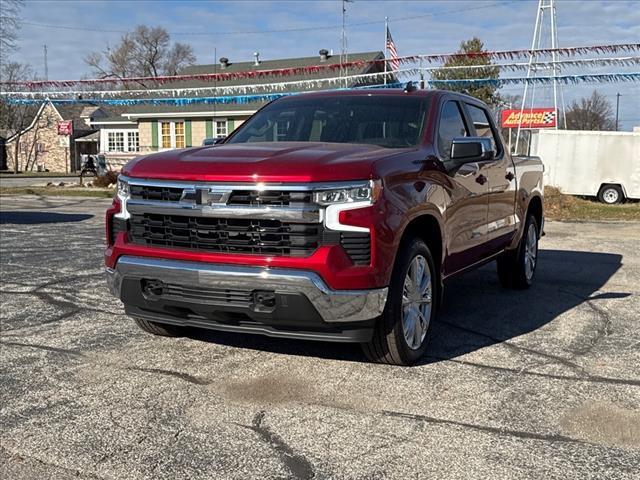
387, 121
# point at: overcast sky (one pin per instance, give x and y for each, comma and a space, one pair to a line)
416, 26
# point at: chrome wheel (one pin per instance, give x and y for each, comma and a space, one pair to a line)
417, 297
610, 195
530, 251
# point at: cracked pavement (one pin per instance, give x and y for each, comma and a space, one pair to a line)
537, 384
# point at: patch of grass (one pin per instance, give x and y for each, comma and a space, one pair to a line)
59, 191
559, 206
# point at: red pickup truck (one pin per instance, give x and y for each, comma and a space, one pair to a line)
332, 216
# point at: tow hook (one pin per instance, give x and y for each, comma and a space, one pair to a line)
264, 301
152, 287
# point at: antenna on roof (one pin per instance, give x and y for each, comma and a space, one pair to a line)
409, 87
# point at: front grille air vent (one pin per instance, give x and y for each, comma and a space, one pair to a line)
358, 247
160, 194
226, 235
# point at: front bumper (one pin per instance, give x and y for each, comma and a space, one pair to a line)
226, 297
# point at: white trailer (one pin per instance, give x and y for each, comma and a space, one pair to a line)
599, 164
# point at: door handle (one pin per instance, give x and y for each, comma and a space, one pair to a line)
509, 176
481, 179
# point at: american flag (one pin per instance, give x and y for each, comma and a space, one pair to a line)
391, 47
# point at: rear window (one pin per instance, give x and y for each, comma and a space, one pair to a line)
393, 121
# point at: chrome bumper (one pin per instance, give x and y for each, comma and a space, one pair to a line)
333, 306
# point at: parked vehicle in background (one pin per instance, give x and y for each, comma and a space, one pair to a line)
326, 216
605, 165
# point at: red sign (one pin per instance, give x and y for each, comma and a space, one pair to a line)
530, 118
65, 127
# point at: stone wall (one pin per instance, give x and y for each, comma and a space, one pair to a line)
40, 146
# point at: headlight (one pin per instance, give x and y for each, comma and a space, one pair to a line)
367, 192
122, 188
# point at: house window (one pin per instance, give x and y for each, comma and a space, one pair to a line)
166, 135
172, 134
179, 127
121, 141
116, 141
221, 128
134, 141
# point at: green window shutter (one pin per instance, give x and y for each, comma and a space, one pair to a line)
230, 126
154, 135
209, 129
187, 133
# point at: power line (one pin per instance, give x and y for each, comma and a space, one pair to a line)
283, 30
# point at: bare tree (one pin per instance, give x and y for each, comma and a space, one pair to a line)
15, 117
591, 113
144, 52
9, 26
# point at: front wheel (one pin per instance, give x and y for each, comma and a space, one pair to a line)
401, 333
516, 269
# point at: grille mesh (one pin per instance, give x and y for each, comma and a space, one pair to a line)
226, 235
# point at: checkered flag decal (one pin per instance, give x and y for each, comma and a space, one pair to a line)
548, 117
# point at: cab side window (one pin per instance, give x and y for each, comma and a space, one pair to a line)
482, 125
451, 126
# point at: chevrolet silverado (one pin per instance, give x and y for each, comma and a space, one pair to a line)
334, 216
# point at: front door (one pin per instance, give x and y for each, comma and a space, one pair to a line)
468, 189
501, 218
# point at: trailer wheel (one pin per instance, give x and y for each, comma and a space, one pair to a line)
610, 194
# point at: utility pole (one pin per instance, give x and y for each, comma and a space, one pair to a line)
343, 52
617, 108
46, 64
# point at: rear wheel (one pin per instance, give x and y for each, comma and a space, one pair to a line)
401, 333
161, 329
611, 194
516, 269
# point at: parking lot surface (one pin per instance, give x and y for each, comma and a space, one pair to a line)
543, 383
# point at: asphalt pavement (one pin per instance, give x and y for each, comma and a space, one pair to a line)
543, 383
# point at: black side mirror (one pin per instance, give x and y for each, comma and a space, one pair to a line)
220, 140
472, 149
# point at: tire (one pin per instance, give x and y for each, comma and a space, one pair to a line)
611, 194
161, 329
516, 269
393, 332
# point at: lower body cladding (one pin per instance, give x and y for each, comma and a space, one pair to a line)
274, 302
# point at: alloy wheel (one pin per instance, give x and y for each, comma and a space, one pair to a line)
417, 297
531, 251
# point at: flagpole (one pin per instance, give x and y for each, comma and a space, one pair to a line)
386, 32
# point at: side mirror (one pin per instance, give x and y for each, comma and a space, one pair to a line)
472, 149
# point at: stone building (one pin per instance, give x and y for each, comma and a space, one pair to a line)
39, 147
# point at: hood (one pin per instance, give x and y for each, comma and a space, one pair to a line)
262, 162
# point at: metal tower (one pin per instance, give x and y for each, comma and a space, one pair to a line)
546, 13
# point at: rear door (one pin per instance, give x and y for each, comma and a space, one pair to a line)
466, 213
500, 172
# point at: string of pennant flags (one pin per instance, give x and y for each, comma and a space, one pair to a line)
333, 67
317, 83
244, 99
